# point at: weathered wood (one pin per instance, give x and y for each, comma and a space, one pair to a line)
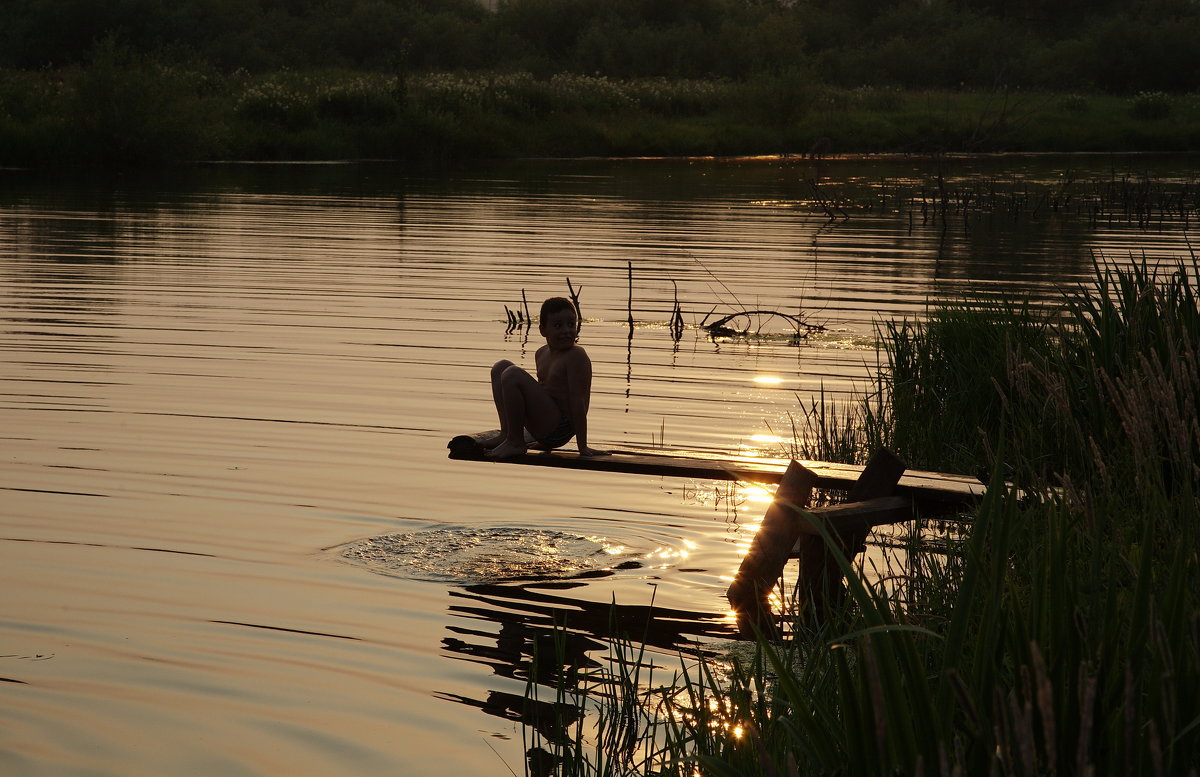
878, 493
881, 474
933, 493
468, 446
851, 518
820, 583
763, 564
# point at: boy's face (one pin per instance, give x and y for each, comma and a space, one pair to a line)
560, 330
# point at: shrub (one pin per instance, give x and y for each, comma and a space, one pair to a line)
1150, 105
1075, 103
127, 110
286, 102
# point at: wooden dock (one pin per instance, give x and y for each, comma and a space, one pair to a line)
934, 493
883, 491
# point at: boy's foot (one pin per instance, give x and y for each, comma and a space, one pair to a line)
491, 441
505, 450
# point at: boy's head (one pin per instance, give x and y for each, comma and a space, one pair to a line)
552, 306
557, 321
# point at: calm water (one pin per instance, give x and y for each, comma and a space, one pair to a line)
230, 540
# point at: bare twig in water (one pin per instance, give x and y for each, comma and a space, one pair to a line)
720, 326
832, 209
676, 316
575, 301
629, 308
516, 318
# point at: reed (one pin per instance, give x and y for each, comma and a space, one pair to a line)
1060, 632
941, 375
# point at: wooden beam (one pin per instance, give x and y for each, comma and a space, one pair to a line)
820, 583
879, 477
762, 566
854, 517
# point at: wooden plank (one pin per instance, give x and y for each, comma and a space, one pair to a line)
763, 564
934, 493
853, 517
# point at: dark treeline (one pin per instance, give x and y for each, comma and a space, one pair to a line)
1115, 46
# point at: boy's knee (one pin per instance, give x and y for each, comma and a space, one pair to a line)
499, 367
512, 373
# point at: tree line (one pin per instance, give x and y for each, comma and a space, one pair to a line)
1114, 46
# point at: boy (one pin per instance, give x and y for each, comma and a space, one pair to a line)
553, 407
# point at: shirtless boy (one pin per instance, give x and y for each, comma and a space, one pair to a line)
554, 407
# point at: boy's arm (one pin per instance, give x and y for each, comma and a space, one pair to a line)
579, 395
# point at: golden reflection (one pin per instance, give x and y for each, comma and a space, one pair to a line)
753, 492
767, 380
766, 446
719, 717
666, 554
727, 494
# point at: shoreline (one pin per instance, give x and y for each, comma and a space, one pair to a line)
139, 117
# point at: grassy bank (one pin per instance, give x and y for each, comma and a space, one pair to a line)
1060, 633
120, 110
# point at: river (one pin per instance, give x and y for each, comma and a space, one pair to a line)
231, 542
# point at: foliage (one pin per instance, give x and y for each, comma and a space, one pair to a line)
304, 79
1150, 105
1143, 46
122, 109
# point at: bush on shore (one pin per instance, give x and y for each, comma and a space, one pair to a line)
120, 108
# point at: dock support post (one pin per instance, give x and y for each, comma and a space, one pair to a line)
820, 586
787, 532
763, 565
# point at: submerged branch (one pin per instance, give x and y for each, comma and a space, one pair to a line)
718, 327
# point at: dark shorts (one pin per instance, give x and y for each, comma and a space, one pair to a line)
558, 436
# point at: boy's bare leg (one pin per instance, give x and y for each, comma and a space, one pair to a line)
497, 398
523, 404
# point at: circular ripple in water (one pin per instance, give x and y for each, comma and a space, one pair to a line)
468, 555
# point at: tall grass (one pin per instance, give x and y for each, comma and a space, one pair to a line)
1061, 633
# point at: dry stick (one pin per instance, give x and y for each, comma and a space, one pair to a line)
630, 308
629, 342
676, 315
575, 302
525, 302
796, 321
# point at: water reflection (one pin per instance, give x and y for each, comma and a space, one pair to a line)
537, 613
525, 633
